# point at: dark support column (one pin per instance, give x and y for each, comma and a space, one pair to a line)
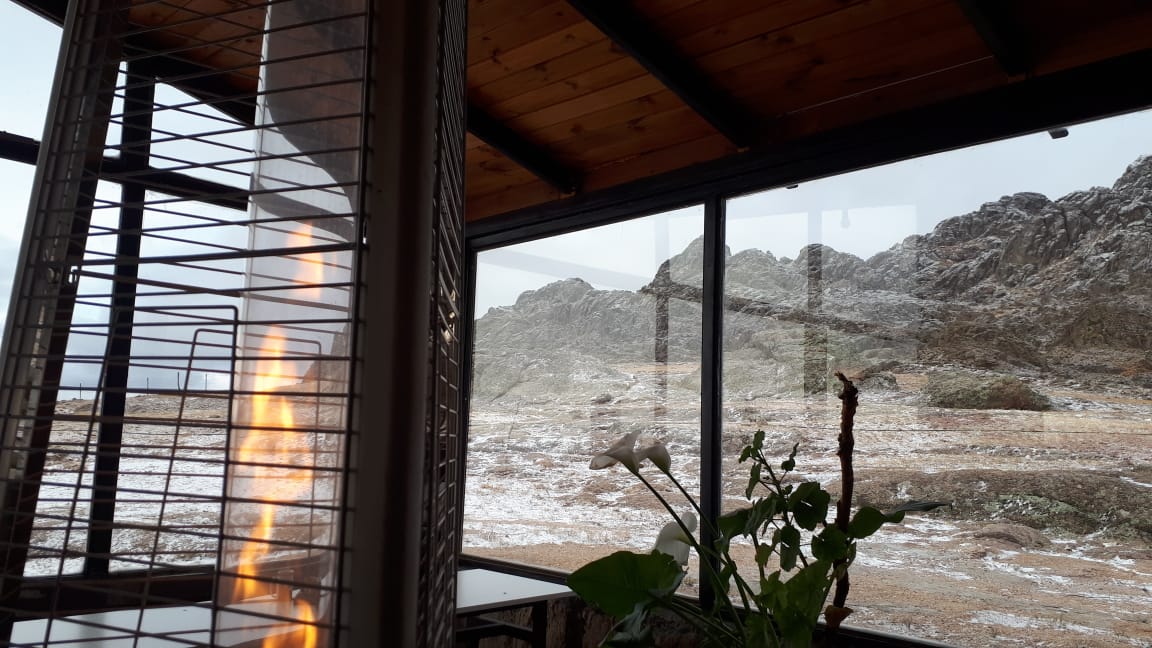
711, 378
387, 591
135, 138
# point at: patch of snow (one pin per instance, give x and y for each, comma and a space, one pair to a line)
1133, 481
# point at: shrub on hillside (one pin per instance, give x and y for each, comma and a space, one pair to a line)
973, 391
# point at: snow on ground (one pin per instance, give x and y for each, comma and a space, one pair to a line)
531, 498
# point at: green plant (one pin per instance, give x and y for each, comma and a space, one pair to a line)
799, 555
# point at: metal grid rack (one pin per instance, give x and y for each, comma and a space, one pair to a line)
176, 384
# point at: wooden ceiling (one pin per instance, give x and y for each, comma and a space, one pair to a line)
769, 72
569, 97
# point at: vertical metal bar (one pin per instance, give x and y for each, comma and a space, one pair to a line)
711, 379
468, 348
135, 138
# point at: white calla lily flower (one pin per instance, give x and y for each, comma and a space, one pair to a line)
672, 541
657, 453
621, 452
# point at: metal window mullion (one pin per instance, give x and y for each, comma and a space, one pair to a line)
711, 384
136, 132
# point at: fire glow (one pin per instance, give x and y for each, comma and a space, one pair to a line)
271, 472
267, 451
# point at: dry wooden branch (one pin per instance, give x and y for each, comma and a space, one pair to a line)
847, 444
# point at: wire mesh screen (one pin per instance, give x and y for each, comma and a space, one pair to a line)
175, 383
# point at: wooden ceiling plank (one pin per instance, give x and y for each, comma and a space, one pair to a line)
634, 137
793, 23
543, 49
759, 67
1003, 37
659, 161
490, 172
828, 30
875, 66
585, 104
947, 84
510, 198
666, 63
686, 21
658, 102
618, 71
695, 27
519, 150
530, 26
554, 70
487, 15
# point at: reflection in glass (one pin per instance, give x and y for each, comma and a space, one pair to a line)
579, 340
1001, 368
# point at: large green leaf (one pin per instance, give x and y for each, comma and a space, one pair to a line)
917, 506
734, 523
753, 481
868, 520
623, 581
830, 544
809, 504
802, 602
788, 540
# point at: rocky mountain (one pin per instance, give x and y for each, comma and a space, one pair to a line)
1023, 284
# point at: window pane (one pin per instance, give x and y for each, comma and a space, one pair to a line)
991, 305
578, 342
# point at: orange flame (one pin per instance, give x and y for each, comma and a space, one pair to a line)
266, 452
311, 265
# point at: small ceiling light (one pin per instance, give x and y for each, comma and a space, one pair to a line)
1057, 133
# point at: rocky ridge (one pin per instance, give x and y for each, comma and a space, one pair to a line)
1061, 288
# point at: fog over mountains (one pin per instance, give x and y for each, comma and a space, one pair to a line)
1053, 288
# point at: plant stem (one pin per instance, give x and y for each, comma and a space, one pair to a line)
741, 586
847, 442
693, 616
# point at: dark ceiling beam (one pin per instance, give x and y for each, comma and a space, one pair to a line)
51, 10
634, 35
199, 81
524, 153
18, 148
1000, 33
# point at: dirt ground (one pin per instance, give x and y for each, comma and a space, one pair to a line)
1048, 541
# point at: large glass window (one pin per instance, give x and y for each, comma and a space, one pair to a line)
579, 341
989, 303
